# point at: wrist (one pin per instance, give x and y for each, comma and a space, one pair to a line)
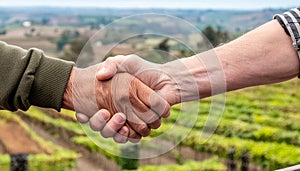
207, 73
68, 97
182, 77
80, 92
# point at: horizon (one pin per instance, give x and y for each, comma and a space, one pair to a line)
162, 4
137, 8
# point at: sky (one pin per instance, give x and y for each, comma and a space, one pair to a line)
182, 4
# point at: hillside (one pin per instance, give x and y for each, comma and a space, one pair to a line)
231, 20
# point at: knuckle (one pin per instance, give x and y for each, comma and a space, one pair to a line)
155, 103
109, 59
152, 117
133, 57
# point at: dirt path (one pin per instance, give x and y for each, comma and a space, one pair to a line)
88, 161
16, 140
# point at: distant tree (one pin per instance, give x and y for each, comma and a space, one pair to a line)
94, 26
2, 32
223, 36
45, 21
164, 45
75, 47
210, 34
66, 37
215, 36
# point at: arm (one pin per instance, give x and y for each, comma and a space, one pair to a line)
28, 77
268, 57
265, 55
262, 56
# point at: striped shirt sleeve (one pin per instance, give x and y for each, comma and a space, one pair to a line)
290, 21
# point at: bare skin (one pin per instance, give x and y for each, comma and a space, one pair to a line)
264, 55
124, 93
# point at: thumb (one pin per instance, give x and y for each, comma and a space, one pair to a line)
106, 71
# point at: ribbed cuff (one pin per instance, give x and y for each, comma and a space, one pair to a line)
50, 81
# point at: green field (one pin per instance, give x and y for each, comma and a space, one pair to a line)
262, 120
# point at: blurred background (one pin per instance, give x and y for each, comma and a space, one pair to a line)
260, 126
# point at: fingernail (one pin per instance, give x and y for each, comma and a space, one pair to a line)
120, 118
103, 116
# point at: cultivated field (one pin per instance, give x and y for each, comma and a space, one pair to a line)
264, 121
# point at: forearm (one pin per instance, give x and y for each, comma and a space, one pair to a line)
28, 77
262, 56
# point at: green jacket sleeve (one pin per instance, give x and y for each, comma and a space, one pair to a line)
28, 77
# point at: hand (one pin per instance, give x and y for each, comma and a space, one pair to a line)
123, 93
173, 80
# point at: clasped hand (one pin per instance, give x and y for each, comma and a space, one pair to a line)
117, 105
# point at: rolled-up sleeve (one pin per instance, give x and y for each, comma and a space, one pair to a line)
29, 77
290, 21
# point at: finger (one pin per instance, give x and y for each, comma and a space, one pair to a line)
99, 120
135, 140
142, 111
109, 68
106, 72
159, 105
153, 100
120, 63
133, 136
137, 124
155, 124
122, 135
114, 125
139, 93
82, 118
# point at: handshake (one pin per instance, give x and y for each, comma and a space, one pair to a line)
125, 96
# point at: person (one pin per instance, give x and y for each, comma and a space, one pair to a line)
268, 54
29, 77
